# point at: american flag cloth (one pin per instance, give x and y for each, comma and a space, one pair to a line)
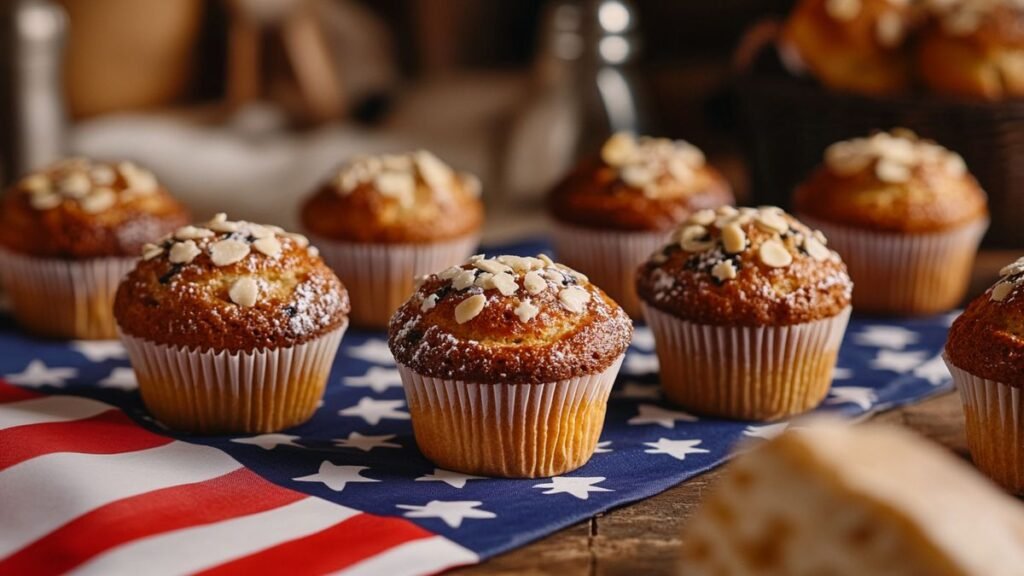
90, 484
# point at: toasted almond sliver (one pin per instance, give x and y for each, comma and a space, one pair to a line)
192, 233
816, 249
734, 240
703, 217
574, 299
269, 246
774, 254
150, 251
183, 252
1002, 290
724, 270
228, 252
619, 150
45, 201
98, 200
526, 311
534, 283
469, 308
505, 284
244, 292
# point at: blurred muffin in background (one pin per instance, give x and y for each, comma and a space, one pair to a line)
381, 221
855, 45
973, 49
611, 212
748, 308
906, 216
69, 233
985, 354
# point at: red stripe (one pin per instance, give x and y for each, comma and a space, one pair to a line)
109, 432
239, 493
11, 393
340, 546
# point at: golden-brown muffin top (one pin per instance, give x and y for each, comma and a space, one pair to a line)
509, 320
395, 198
746, 267
235, 286
987, 340
77, 209
893, 182
639, 184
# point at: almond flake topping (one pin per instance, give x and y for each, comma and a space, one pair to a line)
534, 283
150, 251
641, 162
774, 254
894, 155
269, 246
183, 252
244, 292
192, 233
724, 270
1012, 276
226, 252
526, 311
469, 308
574, 298
399, 175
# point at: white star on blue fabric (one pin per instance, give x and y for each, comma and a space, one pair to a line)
638, 364
100, 350
374, 351
579, 487
636, 391
891, 337
269, 441
451, 513
373, 411
121, 379
453, 479
643, 338
603, 447
651, 414
859, 395
337, 477
678, 449
934, 371
366, 443
37, 374
765, 431
899, 362
376, 378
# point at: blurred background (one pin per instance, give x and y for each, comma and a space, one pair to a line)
245, 105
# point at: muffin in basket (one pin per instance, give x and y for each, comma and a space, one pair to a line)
906, 216
856, 45
231, 327
612, 212
985, 354
507, 364
748, 308
69, 233
973, 49
383, 220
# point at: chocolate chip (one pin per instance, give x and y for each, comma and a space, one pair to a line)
291, 311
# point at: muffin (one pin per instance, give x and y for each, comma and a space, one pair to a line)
854, 45
231, 327
507, 365
748, 308
69, 233
850, 501
973, 49
985, 355
611, 212
905, 215
383, 220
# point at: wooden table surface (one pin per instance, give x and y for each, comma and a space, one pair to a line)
644, 538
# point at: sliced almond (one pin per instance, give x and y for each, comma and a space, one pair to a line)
221, 224
139, 180
258, 231
816, 249
637, 176
300, 240
75, 185
435, 173
695, 239
505, 284
269, 246
846, 158
1002, 290
45, 201
244, 292
36, 184
192, 233
398, 185
449, 273
464, 279
469, 308
724, 270
183, 252
734, 240
774, 254
102, 175
574, 299
99, 200
526, 311
680, 170
619, 150
428, 303
492, 266
484, 280
227, 252
704, 217
892, 172
771, 221
534, 283
150, 251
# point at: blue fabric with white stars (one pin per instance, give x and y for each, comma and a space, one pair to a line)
358, 449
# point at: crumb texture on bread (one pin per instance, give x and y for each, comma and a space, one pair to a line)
510, 320
235, 286
746, 267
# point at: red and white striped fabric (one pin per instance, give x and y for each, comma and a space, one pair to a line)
110, 497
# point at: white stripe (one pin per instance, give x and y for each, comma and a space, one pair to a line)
193, 549
49, 409
426, 556
42, 494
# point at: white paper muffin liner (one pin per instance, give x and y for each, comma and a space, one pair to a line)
994, 415
209, 391
749, 373
64, 298
381, 277
609, 258
906, 273
510, 430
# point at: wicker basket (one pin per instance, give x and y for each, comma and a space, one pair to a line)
788, 122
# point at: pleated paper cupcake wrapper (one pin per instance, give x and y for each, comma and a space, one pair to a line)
509, 430
64, 298
906, 273
747, 373
213, 392
994, 415
610, 259
381, 277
